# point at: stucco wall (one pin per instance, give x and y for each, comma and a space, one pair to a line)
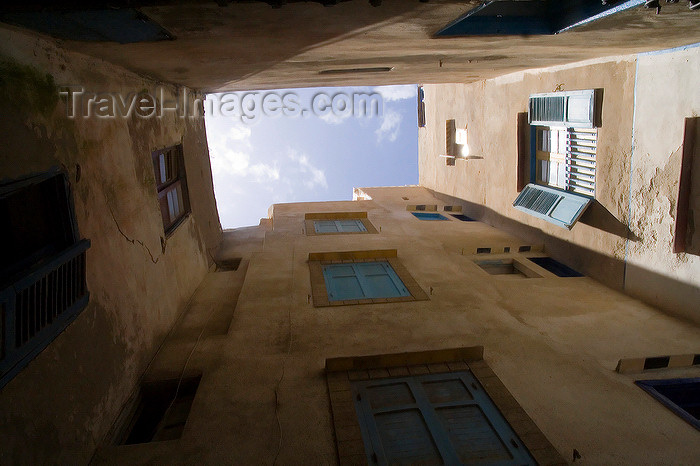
554, 342
602, 243
62, 404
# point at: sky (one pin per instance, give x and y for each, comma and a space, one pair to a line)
300, 145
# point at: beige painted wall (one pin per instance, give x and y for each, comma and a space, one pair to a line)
667, 93
62, 404
554, 342
598, 244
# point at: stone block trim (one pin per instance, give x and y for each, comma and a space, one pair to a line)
657, 362
340, 372
422, 207
362, 216
319, 291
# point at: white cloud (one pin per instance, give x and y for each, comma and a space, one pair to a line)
239, 133
398, 92
331, 118
312, 176
391, 123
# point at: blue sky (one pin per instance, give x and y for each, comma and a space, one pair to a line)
277, 159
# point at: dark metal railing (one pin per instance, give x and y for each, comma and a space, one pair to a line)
36, 308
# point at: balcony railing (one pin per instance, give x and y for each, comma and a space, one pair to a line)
36, 308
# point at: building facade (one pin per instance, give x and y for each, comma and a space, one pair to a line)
135, 331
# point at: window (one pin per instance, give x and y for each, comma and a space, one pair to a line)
362, 280
556, 267
361, 277
566, 159
42, 277
339, 226
511, 267
428, 216
463, 217
682, 396
529, 17
440, 406
171, 183
328, 223
161, 411
434, 419
421, 107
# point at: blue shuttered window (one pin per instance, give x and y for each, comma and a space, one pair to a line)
339, 226
362, 280
434, 419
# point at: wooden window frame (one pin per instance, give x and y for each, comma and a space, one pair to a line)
172, 189
319, 290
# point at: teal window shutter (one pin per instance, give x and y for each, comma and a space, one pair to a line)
339, 226
434, 419
362, 280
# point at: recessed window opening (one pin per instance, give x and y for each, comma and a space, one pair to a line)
428, 216
171, 184
434, 419
161, 411
228, 265
556, 267
682, 396
339, 226
43, 273
524, 248
531, 17
463, 218
502, 267
483, 250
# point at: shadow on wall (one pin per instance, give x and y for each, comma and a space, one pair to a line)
599, 217
670, 295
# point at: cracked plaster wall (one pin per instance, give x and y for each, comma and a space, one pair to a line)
139, 280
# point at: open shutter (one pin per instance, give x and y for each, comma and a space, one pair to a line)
572, 109
558, 207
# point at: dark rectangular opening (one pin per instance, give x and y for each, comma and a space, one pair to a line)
228, 265
162, 410
656, 363
524, 248
463, 218
501, 267
696, 360
483, 250
36, 222
556, 267
682, 396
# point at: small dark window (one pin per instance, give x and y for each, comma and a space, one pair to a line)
421, 107
556, 267
524, 248
171, 183
656, 363
682, 396
42, 276
162, 411
463, 218
483, 250
228, 265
